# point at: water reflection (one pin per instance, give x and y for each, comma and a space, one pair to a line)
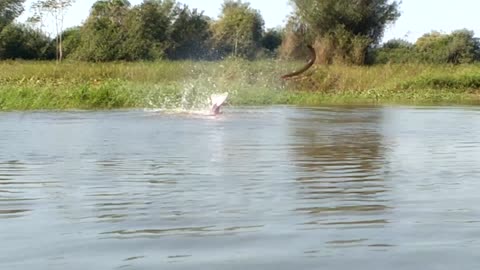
266, 188
340, 163
14, 199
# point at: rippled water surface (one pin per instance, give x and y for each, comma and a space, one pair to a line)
255, 188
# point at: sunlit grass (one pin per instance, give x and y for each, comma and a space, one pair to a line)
165, 84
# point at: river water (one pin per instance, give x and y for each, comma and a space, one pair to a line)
254, 188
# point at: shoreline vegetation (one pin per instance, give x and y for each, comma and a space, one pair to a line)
163, 54
37, 85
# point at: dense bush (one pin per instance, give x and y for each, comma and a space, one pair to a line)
345, 28
20, 41
459, 47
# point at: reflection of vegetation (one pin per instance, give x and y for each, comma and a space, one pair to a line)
340, 159
13, 203
351, 141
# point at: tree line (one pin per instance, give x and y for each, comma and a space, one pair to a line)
341, 31
155, 29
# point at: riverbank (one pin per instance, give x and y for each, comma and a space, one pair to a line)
185, 84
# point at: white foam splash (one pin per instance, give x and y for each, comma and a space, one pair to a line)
195, 97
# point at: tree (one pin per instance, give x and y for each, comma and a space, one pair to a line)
272, 39
190, 35
9, 10
239, 30
104, 32
458, 47
350, 27
295, 37
397, 44
463, 47
19, 41
71, 41
57, 9
395, 51
148, 29
115, 30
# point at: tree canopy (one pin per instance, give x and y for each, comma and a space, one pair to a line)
342, 31
238, 30
190, 35
348, 27
21, 41
9, 10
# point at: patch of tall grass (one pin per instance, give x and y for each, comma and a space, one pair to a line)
187, 84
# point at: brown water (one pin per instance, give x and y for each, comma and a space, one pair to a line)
255, 188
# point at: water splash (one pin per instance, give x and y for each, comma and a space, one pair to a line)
242, 81
195, 97
191, 97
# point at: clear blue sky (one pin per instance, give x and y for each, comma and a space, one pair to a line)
418, 16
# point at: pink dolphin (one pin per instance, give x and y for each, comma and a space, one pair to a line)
217, 101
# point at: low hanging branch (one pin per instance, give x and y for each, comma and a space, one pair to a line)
305, 68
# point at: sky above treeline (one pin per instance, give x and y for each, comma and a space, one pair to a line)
418, 16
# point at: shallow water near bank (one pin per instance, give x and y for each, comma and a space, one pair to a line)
253, 188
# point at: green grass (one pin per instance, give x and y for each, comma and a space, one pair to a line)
165, 84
